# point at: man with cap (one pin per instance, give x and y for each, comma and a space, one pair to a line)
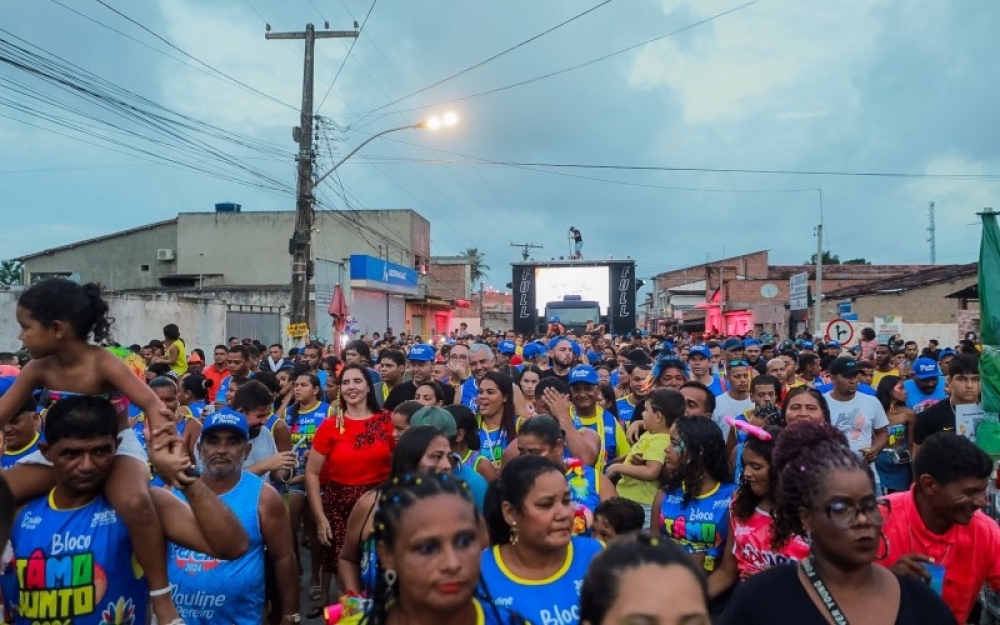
944, 357
195, 363
210, 590
443, 421
584, 395
506, 349
420, 362
927, 386
964, 385
736, 400
860, 417
832, 348
700, 362
561, 353
751, 353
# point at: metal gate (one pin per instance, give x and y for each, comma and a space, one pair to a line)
263, 325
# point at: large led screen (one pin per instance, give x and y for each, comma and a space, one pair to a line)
590, 283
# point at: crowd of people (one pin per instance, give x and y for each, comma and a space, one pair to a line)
557, 479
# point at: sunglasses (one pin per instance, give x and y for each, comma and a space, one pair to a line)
739, 363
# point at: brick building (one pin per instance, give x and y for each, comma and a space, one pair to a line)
930, 302
746, 293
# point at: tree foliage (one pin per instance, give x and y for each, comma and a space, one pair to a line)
10, 272
477, 268
830, 258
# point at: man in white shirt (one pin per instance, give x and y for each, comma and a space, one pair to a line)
736, 400
860, 417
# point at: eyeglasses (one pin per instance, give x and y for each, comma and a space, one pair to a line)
844, 514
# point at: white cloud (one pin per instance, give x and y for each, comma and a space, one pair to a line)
787, 59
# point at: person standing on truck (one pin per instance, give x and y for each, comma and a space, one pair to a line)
577, 243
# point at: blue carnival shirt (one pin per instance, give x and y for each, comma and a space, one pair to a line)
702, 526
551, 601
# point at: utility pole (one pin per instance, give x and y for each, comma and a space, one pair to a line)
818, 296
931, 230
526, 252
305, 216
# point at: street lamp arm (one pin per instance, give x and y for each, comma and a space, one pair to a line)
363, 144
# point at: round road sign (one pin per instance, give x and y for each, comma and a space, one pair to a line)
840, 330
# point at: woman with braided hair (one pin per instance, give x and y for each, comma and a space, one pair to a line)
826, 494
427, 536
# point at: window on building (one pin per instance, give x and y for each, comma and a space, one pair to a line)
143, 267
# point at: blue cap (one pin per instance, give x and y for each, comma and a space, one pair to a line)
553, 319
226, 418
925, 369
421, 352
507, 347
700, 350
577, 348
583, 374
833, 344
531, 351
947, 351
751, 343
668, 347
732, 344
555, 341
808, 345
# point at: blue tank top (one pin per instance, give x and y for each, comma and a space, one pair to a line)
470, 395
555, 600
583, 491
701, 527
492, 443
76, 566
625, 410
196, 409
606, 427
208, 590
11, 457
303, 430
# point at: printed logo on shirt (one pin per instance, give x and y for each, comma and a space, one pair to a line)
852, 423
67, 584
762, 559
30, 521
104, 517
192, 562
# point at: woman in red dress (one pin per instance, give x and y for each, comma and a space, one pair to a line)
351, 454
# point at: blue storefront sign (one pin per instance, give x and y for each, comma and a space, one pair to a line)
376, 274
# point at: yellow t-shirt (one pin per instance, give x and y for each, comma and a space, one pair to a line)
181, 366
653, 448
878, 375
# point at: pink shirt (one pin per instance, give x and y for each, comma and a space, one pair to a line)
970, 553
752, 545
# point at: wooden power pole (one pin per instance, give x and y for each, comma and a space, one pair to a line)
305, 213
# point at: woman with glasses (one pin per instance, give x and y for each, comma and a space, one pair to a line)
692, 508
893, 462
826, 494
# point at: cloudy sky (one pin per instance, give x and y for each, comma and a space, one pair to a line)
778, 85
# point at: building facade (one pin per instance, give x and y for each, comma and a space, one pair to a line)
242, 258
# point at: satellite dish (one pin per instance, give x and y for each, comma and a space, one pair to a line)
769, 291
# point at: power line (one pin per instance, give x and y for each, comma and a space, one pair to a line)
586, 63
346, 56
194, 58
491, 58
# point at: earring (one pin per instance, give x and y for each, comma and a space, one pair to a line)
885, 539
389, 577
513, 534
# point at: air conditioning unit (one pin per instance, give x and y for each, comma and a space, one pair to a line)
164, 254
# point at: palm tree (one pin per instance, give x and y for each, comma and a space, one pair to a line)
477, 269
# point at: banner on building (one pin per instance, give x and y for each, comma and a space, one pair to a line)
989, 307
887, 327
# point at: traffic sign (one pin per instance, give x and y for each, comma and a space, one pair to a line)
840, 330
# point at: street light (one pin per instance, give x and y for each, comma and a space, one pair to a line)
432, 123
299, 246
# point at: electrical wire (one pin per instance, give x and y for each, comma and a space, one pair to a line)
235, 81
572, 68
490, 58
347, 56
